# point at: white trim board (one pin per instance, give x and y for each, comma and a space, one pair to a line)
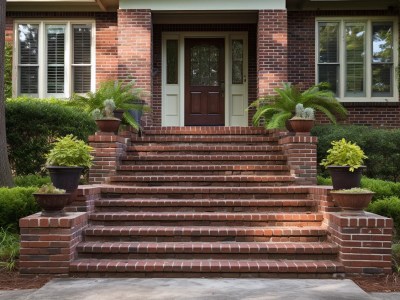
202, 5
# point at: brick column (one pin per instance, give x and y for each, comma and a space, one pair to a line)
84, 198
48, 244
135, 51
272, 52
364, 241
108, 149
301, 153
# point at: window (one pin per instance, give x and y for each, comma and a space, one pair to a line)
54, 58
357, 58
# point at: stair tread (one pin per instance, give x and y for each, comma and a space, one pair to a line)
211, 157
194, 147
205, 167
205, 265
228, 178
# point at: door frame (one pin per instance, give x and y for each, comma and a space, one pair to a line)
179, 90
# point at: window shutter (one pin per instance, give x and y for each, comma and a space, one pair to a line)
55, 58
82, 37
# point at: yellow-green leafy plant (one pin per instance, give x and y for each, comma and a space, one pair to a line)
344, 153
70, 152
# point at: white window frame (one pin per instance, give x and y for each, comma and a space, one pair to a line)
368, 57
42, 45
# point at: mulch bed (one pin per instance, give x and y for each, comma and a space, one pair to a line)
378, 284
13, 281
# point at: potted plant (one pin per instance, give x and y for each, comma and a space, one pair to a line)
303, 121
51, 200
345, 164
275, 111
105, 119
66, 161
354, 199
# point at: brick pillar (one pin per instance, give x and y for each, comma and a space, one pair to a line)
83, 199
272, 52
108, 149
48, 244
301, 153
135, 51
364, 241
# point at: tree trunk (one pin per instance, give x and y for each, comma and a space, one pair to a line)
5, 170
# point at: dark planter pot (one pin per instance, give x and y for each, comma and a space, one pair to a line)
300, 125
66, 178
119, 113
352, 201
52, 205
343, 179
108, 125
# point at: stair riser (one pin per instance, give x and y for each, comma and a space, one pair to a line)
243, 256
203, 183
200, 173
204, 196
191, 152
210, 140
185, 208
199, 238
202, 162
203, 223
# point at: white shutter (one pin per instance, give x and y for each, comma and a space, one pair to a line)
82, 58
55, 58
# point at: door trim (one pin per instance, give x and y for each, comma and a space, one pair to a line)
176, 118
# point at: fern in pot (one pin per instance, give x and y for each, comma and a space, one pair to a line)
66, 161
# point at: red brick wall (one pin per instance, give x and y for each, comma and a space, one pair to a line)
157, 38
135, 50
301, 70
106, 37
271, 50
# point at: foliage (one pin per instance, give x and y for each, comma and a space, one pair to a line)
33, 124
8, 71
276, 110
49, 188
9, 249
388, 207
380, 145
31, 180
352, 191
344, 153
70, 152
125, 96
16, 203
396, 257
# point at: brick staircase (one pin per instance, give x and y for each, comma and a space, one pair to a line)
204, 202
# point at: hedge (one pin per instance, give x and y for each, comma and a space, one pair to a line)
31, 180
388, 207
380, 145
33, 124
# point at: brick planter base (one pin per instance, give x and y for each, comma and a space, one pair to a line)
48, 244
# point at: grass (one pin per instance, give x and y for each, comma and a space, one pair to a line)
9, 249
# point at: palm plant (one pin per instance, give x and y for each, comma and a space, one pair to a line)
126, 97
276, 110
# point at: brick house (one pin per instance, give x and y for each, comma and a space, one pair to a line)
246, 49
224, 198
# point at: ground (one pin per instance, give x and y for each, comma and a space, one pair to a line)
13, 281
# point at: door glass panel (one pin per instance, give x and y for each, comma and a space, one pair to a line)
172, 61
237, 62
204, 65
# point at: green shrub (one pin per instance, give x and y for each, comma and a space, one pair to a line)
380, 145
16, 203
396, 257
9, 249
388, 207
33, 124
31, 180
8, 71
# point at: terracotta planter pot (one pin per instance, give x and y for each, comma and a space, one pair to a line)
52, 205
108, 125
352, 201
343, 179
301, 125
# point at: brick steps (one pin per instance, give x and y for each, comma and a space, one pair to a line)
136, 170
205, 233
216, 180
248, 140
198, 130
205, 205
161, 267
202, 148
204, 250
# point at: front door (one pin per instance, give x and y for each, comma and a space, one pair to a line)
204, 82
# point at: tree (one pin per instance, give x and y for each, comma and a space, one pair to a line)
5, 170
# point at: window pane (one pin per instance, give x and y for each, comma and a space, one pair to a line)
382, 43
382, 80
237, 62
355, 54
204, 63
330, 74
28, 80
55, 58
28, 44
328, 42
172, 61
82, 79
82, 35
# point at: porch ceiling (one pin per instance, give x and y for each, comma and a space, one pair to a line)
62, 5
